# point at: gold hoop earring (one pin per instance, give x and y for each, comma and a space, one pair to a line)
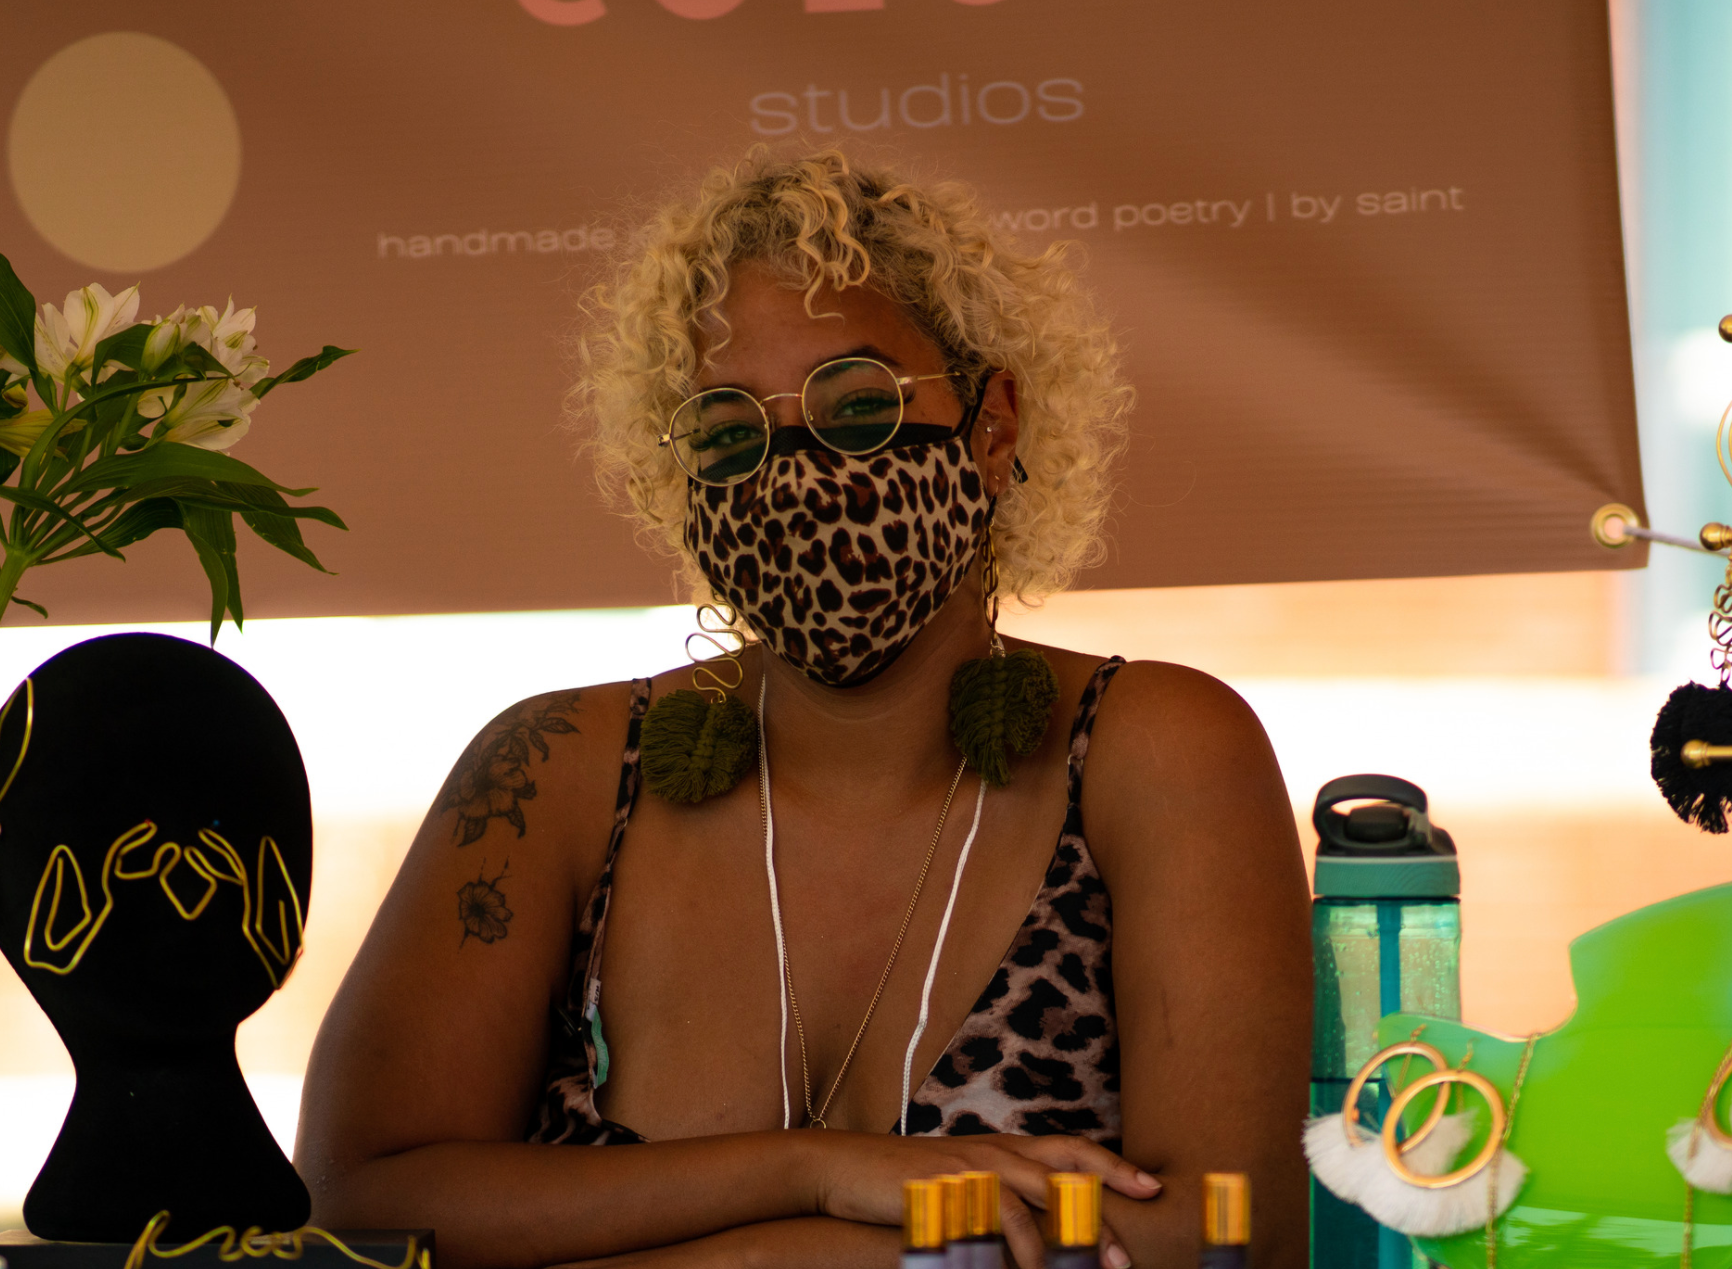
1350, 1103
699, 741
1707, 1116
1412, 1186
1392, 1152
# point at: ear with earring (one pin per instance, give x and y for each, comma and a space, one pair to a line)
698, 742
1000, 704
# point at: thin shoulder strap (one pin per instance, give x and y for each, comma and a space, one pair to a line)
1083, 728
593, 924
631, 768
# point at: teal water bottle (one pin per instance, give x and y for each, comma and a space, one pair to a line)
1385, 938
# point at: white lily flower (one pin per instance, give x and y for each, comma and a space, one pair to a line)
230, 334
54, 343
253, 368
10, 367
68, 341
19, 434
211, 415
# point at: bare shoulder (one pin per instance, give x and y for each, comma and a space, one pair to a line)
1179, 763
546, 768
1154, 708
555, 734
1158, 710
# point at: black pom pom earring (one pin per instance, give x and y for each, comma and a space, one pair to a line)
1691, 742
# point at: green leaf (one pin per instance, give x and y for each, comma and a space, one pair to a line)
233, 571
134, 524
211, 524
212, 534
282, 533
269, 499
36, 502
203, 364
17, 318
141, 520
274, 520
168, 460
8, 463
219, 583
204, 490
34, 607
84, 409
305, 368
125, 347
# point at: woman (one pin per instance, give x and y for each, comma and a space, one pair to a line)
852, 412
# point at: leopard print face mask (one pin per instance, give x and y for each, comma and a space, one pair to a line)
836, 561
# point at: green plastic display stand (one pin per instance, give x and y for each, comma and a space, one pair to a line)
1653, 1018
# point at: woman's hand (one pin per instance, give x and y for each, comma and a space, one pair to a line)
859, 1177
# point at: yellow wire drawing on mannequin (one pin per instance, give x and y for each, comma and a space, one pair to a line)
273, 884
28, 687
255, 1244
273, 919
61, 860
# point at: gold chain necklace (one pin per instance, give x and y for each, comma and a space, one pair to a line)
816, 1117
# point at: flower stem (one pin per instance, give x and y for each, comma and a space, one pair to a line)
11, 570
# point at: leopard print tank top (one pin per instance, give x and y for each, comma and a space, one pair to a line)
1038, 1053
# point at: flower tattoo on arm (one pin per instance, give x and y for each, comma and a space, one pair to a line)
481, 907
491, 779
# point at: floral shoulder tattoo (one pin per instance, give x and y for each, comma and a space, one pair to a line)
491, 780
481, 907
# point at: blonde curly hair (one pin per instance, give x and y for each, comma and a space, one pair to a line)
930, 248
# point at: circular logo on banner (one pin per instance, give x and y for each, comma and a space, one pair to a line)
124, 151
565, 12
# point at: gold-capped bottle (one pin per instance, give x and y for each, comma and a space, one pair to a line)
982, 1243
955, 1191
1226, 1221
922, 1224
1073, 1220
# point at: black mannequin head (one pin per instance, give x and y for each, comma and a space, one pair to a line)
155, 872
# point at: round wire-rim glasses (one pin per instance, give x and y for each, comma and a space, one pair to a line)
738, 441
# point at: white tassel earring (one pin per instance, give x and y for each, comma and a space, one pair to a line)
1437, 1206
1700, 1148
1345, 1155
1404, 1184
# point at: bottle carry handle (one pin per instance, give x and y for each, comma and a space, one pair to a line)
1331, 824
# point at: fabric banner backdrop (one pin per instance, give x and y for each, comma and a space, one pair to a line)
1365, 258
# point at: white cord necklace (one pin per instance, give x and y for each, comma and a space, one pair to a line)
781, 936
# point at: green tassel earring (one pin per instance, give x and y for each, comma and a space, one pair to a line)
1000, 704
698, 743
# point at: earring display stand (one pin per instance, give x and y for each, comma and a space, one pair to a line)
1652, 1021
149, 907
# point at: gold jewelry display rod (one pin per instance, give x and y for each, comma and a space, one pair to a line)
1699, 753
1616, 526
